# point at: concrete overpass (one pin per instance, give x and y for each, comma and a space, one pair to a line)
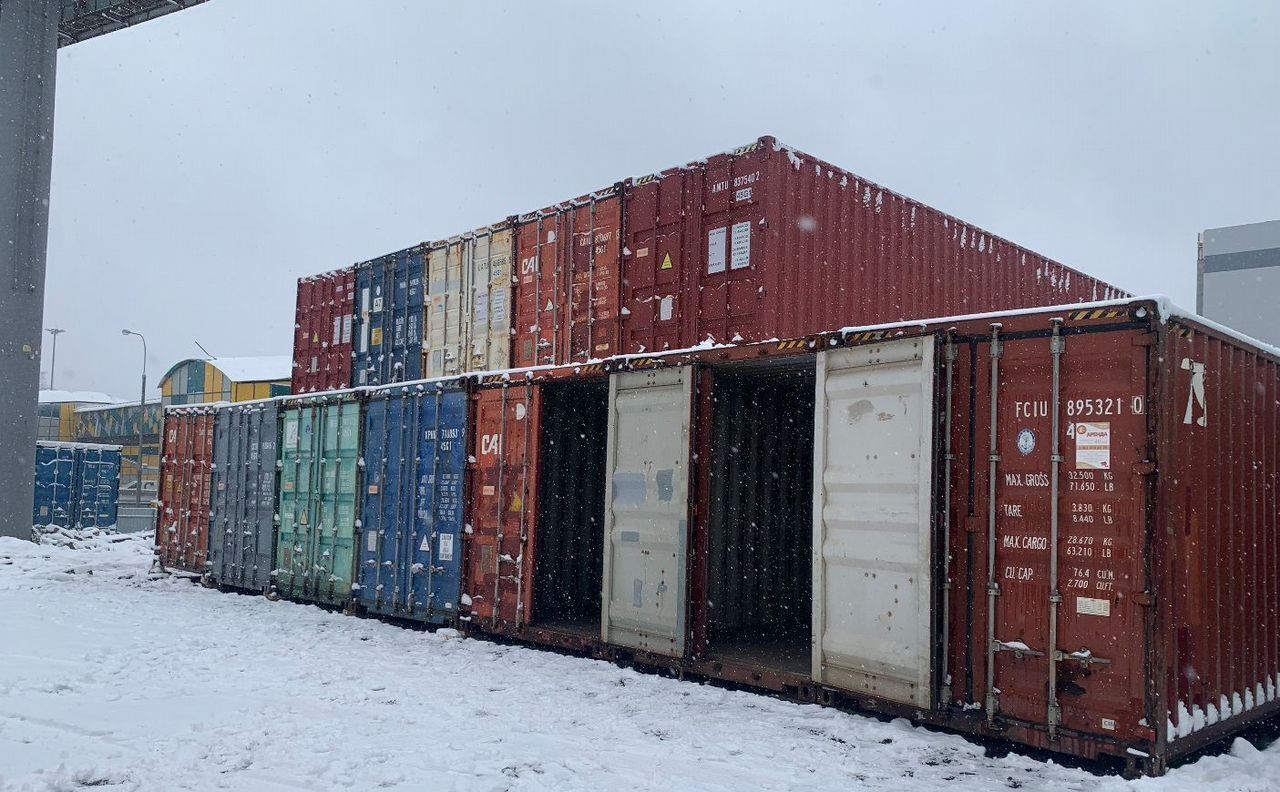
30, 33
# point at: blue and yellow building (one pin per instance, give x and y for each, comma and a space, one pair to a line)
196, 381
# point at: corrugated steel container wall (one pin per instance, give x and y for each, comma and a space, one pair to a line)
182, 524
502, 505
319, 498
390, 301
1217, 533
567, 286
469, 317
764, 242
322, 348
55, 483
243, 520
414, 462
97, 486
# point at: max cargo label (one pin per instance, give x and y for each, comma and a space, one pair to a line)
446, 547
1092, 606
740, 246
1093, 445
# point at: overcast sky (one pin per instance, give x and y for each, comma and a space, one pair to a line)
204, 161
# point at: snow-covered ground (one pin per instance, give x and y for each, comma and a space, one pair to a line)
113, 680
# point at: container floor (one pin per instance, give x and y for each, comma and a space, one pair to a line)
776, 654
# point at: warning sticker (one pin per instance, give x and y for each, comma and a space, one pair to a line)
716, 239
1090, 606
446, 548
1093, 446
376, 340
425, 546
667, 263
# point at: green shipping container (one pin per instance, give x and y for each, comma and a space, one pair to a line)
319, 499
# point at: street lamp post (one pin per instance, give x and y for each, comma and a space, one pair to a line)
53, 357
142, 408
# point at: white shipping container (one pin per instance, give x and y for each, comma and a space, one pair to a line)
469, 310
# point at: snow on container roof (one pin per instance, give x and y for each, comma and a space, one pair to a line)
78, 397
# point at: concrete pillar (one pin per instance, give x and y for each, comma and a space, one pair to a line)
28, 60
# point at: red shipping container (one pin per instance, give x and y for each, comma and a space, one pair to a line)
567, 287
537, 455
186, 470
766, 242
322, 331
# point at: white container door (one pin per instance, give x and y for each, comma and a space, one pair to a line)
647, 511
872, 581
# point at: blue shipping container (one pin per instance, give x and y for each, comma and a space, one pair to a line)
415, 456
390, 304
77, 485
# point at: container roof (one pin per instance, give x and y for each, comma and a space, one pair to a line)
77, 397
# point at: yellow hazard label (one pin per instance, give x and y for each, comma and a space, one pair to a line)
517, 504
666, 262
375, 337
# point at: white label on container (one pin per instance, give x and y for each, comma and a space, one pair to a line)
740, 246
743, 195
715, 249
364, 301
480, 313
1093, 445
337, 329
377, 304
291, 433
666, 308
1090, 606
446, 548
425, 546
371, 542
346, 329
499, 308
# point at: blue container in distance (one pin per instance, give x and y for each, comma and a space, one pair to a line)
77, 485
390, 305
410, 554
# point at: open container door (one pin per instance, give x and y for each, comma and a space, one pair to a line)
647, 511
872, 538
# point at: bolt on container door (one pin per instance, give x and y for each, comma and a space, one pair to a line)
415, 447
1065, 645
55, 476
242, 539
567, 292
647, 511
182, 526
503, 493
319, 493
389, 318
97, 486
872, 527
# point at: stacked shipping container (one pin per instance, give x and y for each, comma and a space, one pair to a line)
757, 243
322, 331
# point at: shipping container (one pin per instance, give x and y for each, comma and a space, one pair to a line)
242, 525
322, 348
469, 315
568, 284
390, 301
319, 497
186, 469
534, 554
76, 485
414, 463
766, 242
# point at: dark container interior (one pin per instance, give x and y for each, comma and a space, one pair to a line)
569, 554
759, 566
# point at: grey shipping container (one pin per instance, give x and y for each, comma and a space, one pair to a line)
242, 525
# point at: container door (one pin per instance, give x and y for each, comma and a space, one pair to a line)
872, 582
647, 511
442, 457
